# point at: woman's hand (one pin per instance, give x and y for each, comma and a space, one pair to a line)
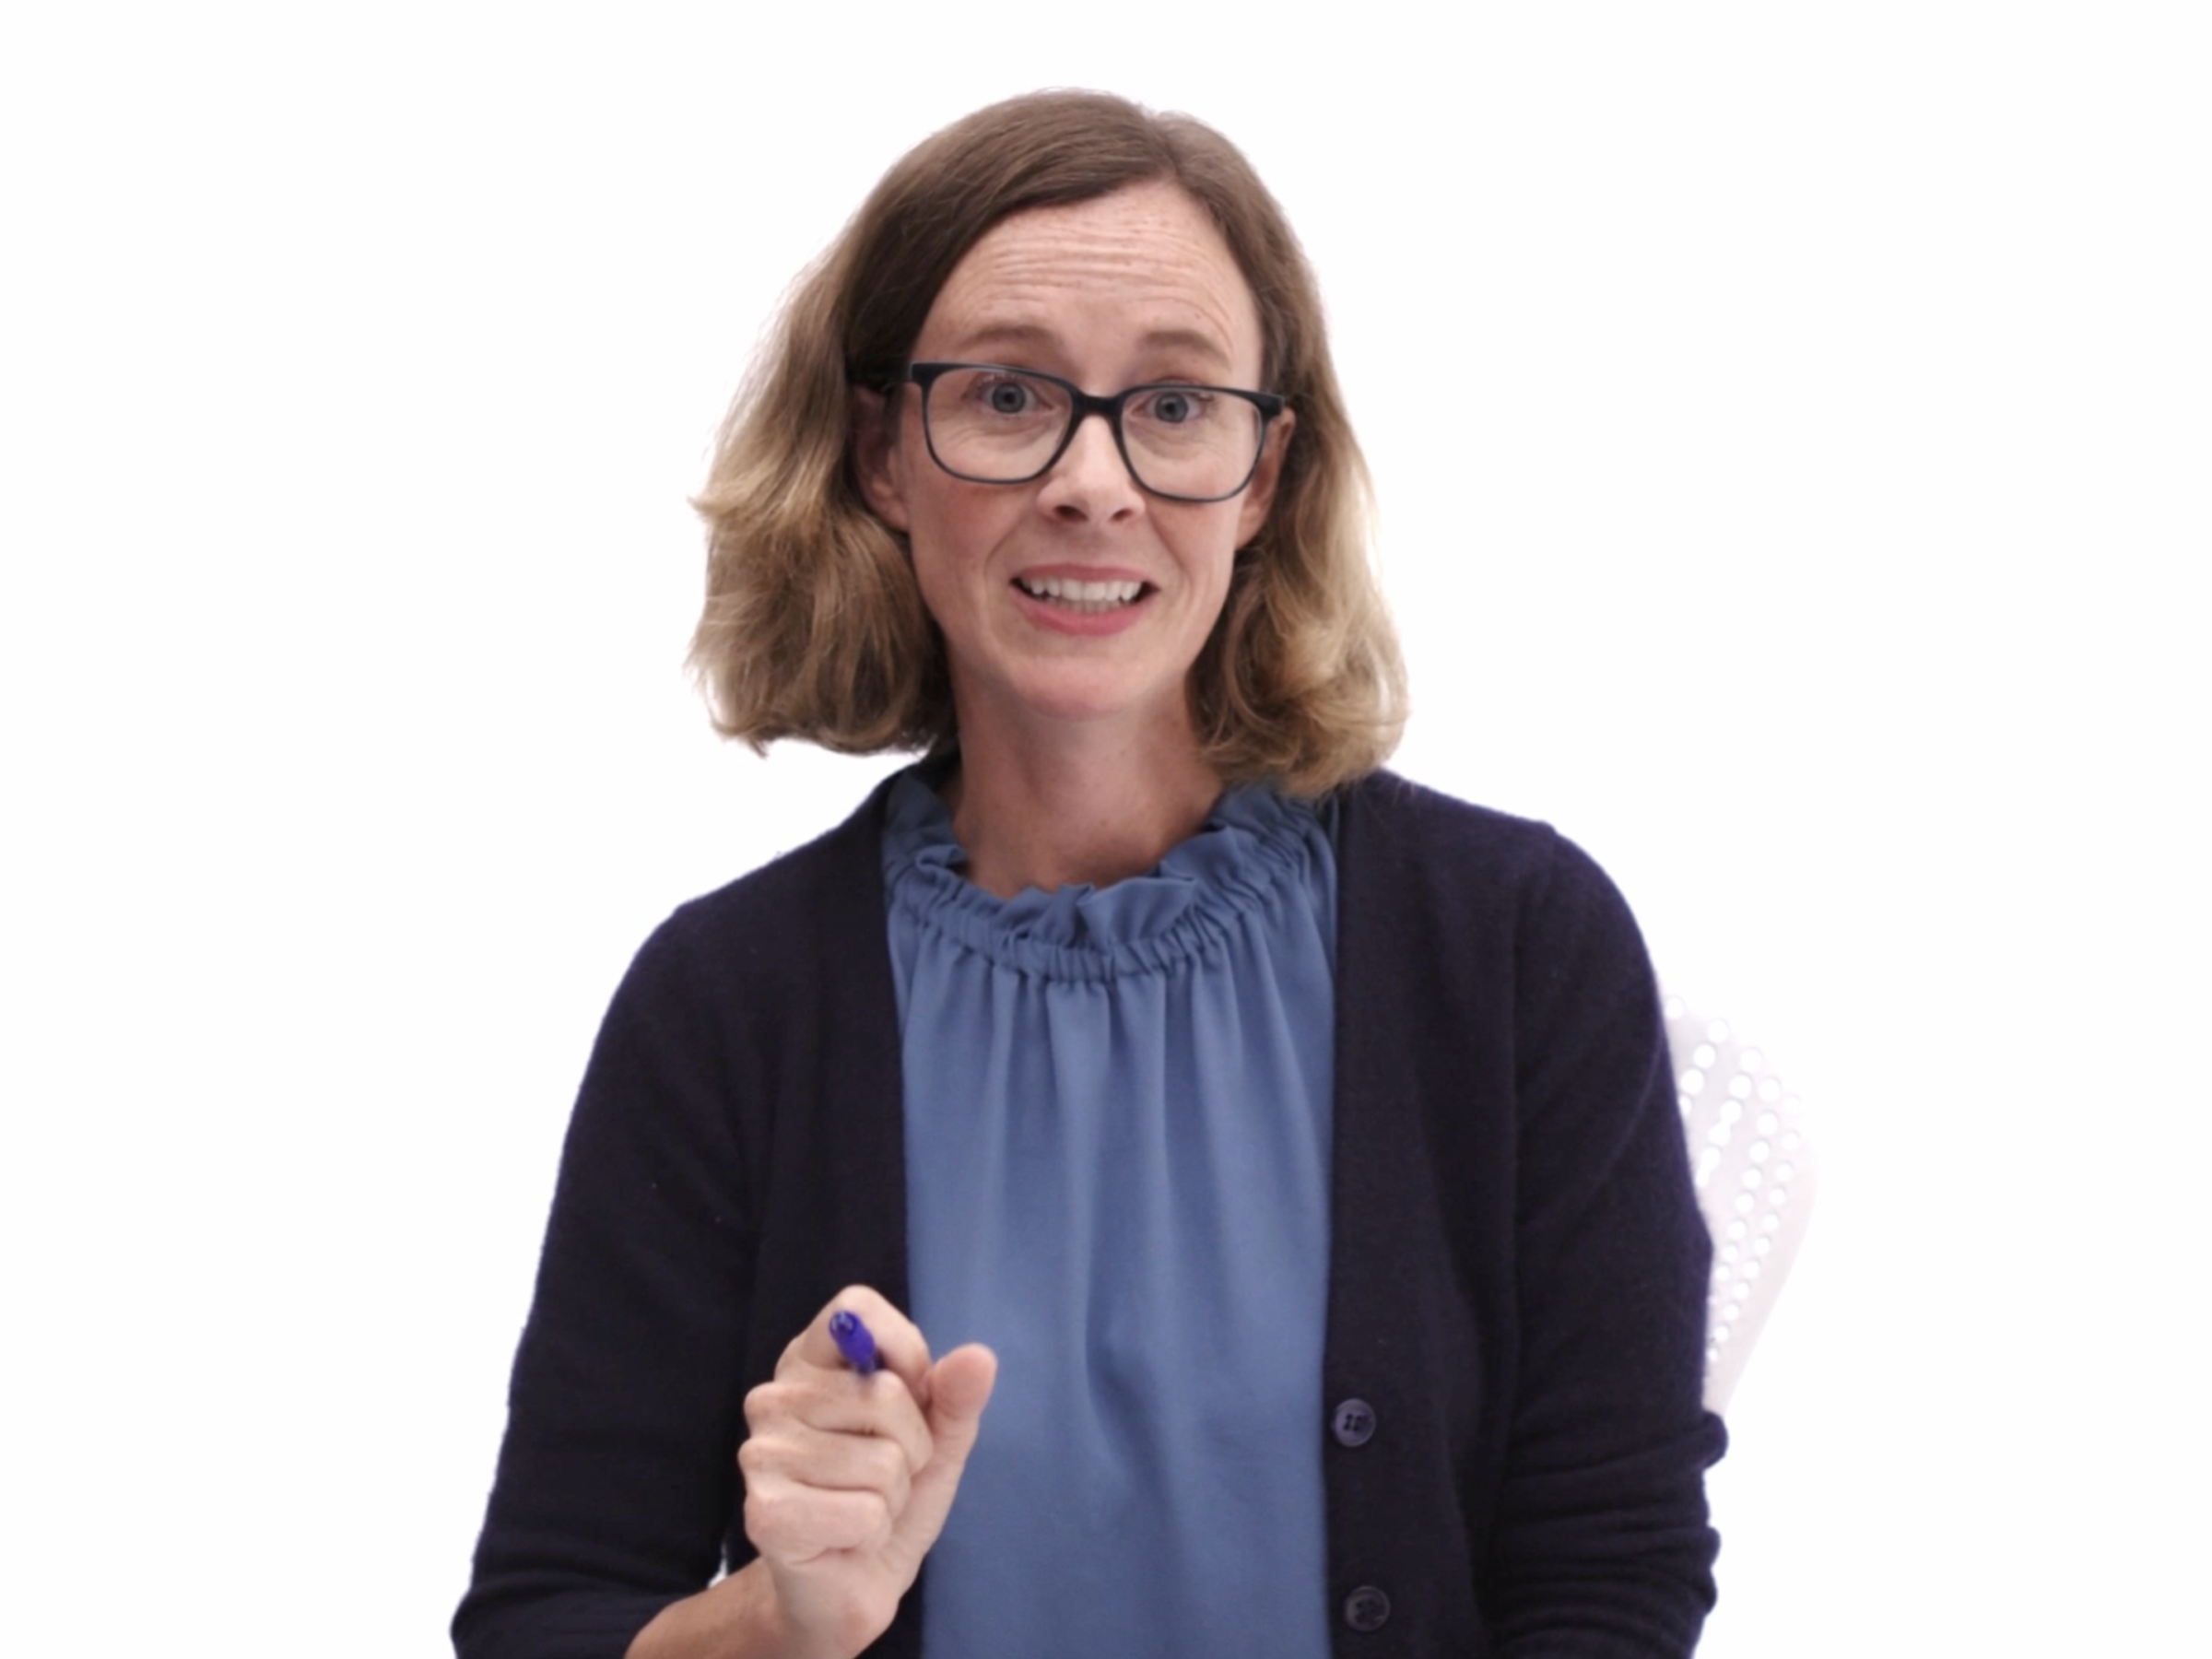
848, 1480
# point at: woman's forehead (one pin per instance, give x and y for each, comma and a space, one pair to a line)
1146, 266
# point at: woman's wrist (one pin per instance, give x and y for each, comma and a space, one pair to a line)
738, 1618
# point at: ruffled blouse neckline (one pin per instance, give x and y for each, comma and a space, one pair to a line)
1253, 844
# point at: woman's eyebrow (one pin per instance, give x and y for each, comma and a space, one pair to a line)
1006, 336
1197, 342
1019, 338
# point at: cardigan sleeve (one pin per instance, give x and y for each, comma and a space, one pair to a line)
1601, 1544
617, 1473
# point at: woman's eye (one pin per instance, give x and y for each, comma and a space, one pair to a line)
1174, 407
1008, 397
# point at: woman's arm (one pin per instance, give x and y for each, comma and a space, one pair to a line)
1516, 1280
1601, 1542
616, 1476
737, 1618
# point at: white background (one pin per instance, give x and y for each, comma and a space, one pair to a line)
1791, 427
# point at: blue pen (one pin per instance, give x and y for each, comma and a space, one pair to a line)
854, 1341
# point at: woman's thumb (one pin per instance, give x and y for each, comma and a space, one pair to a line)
959, 1387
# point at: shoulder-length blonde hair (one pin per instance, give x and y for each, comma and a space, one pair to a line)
814, 625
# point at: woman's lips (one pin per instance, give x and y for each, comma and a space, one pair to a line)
1083, 604
1087, 598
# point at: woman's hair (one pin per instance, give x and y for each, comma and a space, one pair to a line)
814, 624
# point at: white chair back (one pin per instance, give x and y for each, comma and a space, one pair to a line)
1752, 1162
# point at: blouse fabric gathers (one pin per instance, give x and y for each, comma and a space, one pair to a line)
1117, 1120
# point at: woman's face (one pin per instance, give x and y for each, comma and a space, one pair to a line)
1134, 287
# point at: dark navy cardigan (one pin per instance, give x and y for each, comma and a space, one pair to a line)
1517, 1266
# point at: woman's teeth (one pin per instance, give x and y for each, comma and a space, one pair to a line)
1086, 598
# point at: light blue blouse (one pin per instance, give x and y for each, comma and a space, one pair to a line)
1117, 1152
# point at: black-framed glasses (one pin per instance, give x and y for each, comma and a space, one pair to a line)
991, 424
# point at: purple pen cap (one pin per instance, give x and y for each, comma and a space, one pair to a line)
852, 1341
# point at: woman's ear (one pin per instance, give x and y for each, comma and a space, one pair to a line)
878, 458
1259, 494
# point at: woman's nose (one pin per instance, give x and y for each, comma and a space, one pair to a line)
1091, 479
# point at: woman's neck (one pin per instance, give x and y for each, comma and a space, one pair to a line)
1088, 805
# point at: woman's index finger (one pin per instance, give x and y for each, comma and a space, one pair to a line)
860, 1323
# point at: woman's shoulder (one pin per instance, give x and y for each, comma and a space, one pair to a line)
1396, 821
1399, 802
807, 905
1408, 852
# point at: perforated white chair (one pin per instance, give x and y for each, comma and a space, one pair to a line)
1752, 1161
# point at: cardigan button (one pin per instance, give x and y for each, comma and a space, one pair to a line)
1353, 1423
1367, 1609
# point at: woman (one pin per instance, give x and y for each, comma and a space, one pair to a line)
1285, 1155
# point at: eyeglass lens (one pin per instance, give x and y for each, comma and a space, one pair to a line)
1001, 426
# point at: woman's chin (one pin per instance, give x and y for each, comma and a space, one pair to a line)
1081, 699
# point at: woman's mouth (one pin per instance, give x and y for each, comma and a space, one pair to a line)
1084, 598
